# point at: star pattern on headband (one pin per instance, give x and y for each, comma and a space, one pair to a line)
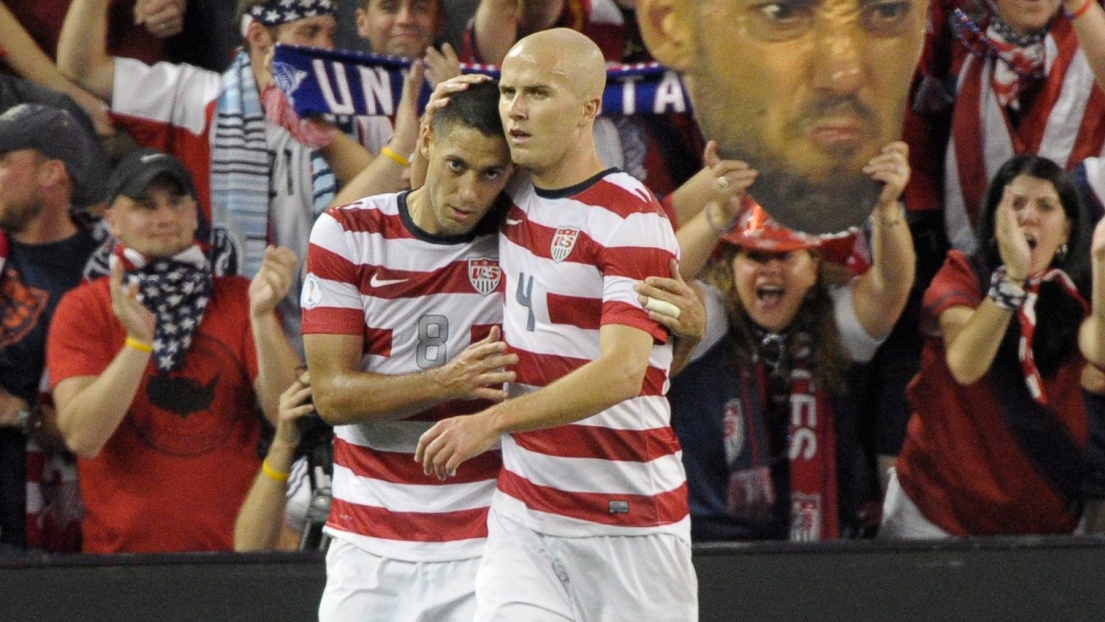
276, 12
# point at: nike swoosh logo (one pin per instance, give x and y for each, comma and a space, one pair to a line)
377, 282
512, 222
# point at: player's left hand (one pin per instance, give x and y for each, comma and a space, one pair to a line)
691, 319
273, 280
444, 447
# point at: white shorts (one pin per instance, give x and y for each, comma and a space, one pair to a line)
902, 519
366, 587
529, 577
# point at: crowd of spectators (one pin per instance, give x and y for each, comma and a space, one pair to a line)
161, 405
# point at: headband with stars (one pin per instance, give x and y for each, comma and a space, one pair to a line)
277, 12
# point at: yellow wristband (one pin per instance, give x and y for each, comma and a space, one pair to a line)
141, 346
394, 155
274, 474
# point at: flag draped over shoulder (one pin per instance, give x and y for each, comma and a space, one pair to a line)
341, 82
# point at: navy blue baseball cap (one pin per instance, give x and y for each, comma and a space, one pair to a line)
56, 134
134, 173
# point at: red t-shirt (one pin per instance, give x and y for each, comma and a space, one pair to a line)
175, 472
960, 463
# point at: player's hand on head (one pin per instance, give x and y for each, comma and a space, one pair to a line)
673, 303
891, 167
439, 98
450, 442
272, 281
478, 372
137, 320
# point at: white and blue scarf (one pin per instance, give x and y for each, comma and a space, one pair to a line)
241, 166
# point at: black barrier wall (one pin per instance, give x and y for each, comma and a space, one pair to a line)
1038, 579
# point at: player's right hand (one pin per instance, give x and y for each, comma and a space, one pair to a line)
479, 371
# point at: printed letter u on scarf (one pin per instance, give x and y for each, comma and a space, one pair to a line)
342, 82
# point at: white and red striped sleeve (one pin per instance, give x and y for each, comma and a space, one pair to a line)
331, 298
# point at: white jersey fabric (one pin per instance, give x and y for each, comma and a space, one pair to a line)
570, 260
418, 300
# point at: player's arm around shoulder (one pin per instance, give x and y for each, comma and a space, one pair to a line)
615, 376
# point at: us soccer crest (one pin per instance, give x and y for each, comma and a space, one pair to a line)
484, 274
563, 243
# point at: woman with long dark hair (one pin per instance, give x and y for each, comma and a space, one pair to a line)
996, 444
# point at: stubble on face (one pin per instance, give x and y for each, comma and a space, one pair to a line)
15, 219
806, 133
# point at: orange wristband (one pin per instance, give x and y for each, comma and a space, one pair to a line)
1080, 11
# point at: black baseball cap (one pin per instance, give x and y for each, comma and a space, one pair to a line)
56, 134
133, 174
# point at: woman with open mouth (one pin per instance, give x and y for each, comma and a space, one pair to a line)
764, 410
997, 442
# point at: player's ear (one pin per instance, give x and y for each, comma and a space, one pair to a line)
592, 108
667, 31
425, 138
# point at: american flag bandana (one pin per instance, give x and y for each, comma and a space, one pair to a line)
176, 290
1020, 64
277, 12
1027, 315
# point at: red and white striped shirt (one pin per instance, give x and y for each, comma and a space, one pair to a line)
418, 300
1065, 123
571, 258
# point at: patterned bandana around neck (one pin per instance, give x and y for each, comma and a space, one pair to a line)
176, 290
1027, 315
1021, 58
1024, 56
276, 12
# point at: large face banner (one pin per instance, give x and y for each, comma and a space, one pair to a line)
804, 91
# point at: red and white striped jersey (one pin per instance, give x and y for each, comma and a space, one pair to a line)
418, 300
571, 259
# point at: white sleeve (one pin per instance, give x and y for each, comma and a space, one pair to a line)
861, 346
177, 95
